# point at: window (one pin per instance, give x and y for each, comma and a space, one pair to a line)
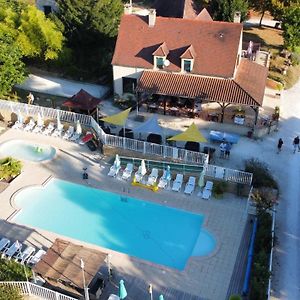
159, 62
47, 10
187, 65
129, 85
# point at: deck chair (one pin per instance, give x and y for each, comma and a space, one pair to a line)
163, 181
48, 130
207, 190
127, 172
18, 125
190, 185
152, 178
4, 243
177, 183
24, 255
34, 259
114, 170
30, 125
139, 174
68, 134
58, 131
14, 249
38, 129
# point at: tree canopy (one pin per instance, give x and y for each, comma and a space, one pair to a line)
291, 27
25, 32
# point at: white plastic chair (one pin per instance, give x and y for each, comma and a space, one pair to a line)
163, 181
139, 174
34, 259
4, 244
24, 255
30, 125
48, 130
190, 185
177, 183
127, 172
152, 177
114, 170
68, 134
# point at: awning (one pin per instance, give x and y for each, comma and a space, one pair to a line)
192, 134
82, 100
61, 265
150, 126
118, 119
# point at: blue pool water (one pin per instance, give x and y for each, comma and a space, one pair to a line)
138, 228
26, 150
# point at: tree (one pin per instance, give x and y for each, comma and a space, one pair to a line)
224, 10
9, 293
261, 6
24, 33
291, 27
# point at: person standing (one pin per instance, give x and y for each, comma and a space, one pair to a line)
296, 143
30, 98
227, 150
222, 149
279, 145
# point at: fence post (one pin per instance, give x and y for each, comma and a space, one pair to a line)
28, 288
56, 296
144, 148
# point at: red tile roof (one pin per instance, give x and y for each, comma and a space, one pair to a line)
162, 50
204, 15
248, 89
215, 44
189, 53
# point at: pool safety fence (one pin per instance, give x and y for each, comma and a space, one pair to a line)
30, 289
269, 290
164, 151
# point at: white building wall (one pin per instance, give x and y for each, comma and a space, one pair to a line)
120, 72
41, 3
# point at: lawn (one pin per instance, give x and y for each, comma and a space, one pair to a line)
271, 40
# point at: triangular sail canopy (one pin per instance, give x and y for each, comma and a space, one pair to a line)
150, 126
118, 119
192, 134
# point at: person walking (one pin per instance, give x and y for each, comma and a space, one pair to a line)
279, 145
227, 150
296, 143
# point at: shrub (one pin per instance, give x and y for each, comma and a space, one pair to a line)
9, 168
235, 297
261, 174
9, 293
264, 199
13, 271
219, 188
295, 59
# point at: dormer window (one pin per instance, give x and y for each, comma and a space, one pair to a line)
160, 56
159, 62
187, 65
187, 60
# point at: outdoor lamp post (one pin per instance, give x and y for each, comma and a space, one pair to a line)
85, 288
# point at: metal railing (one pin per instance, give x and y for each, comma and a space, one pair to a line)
269, 290
227, 174
31, 289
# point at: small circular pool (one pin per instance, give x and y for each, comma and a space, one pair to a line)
25, 150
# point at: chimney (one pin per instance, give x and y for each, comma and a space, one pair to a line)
128, 9
152, 17
237, 17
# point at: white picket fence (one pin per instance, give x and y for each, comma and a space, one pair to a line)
31, 289
186, 156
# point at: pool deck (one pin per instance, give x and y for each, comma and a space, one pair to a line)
203, 278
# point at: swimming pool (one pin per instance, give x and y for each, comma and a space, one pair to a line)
26, 150
138, 228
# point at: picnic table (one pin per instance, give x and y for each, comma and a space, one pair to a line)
218, 136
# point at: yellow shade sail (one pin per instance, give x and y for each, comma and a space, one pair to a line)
192, 134
118, 119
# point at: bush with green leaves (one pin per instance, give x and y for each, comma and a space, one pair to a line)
9, 293
9, 168
219, 189
235, 297
11, 270
262, 176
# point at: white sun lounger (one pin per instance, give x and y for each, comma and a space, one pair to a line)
152, 177
113, 171
48, 130
38, 129
34, 259
68, 134
24, 255
177, 183
18, 125
58, 131
190, 185
139, 174
14, 249
127, 172
75, 137
207, 190
163, 181
30, 125
4, 243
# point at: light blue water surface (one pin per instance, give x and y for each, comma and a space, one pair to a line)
26, 150
138, 228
